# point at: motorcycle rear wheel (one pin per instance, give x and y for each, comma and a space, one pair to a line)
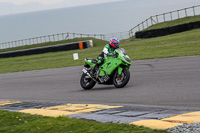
120, 82
86, 82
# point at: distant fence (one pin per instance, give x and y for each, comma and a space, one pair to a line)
61, 37
48, 38
167, 30
186, 12
46, 49
169, 16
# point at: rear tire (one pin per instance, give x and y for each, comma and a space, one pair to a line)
86, 83
121, 82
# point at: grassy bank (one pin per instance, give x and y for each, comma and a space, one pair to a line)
14, 122
175, 22
175, 45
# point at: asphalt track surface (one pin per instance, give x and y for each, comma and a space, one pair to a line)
157, 82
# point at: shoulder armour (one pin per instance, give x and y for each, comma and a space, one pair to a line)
107, 46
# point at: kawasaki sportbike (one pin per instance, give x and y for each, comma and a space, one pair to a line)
114, 70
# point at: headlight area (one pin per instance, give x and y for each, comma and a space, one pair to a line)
127, 59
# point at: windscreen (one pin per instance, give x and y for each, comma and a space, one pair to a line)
123, 51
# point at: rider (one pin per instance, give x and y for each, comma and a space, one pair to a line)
107, 51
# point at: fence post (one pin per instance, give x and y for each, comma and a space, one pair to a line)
143, 25
58, 37
193, 10
49, 38
18, 42
68, 35
186, 12
22, 42
138, 27
33, 40
171, 16
62, 36
164, 16
8, 46
151, 20
53, 37
157, 18
147, 23
25, 41
178, 14
45, 39
40, 39
15, 43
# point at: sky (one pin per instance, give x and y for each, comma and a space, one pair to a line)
18, 21
8, 7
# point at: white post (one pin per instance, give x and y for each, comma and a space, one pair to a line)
90, 43
75, 56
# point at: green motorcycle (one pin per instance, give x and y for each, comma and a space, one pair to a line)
114, 70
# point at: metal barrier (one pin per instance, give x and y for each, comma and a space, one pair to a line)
169, 16
186, 12
49, 38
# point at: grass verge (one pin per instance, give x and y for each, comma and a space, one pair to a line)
174, 22
15, 122
175, 45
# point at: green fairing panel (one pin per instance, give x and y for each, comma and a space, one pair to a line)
109, 66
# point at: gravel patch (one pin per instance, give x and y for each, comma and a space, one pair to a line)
186, 128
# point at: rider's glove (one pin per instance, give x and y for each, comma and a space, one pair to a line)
99, 60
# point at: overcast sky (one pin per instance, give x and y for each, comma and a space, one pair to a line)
20, 6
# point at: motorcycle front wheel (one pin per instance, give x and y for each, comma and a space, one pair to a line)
86, 82
122, 80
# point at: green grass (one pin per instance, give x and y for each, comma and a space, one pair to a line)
174, 22
175, 45
15, 122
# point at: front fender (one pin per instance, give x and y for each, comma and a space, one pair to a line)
119, 70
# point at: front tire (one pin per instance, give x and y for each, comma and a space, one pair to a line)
86, 82
121, 81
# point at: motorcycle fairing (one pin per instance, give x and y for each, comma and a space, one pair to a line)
110, 64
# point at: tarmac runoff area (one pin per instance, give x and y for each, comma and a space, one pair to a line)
152, 117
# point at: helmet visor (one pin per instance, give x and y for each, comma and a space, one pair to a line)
116, 45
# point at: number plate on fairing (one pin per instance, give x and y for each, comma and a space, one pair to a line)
104, 78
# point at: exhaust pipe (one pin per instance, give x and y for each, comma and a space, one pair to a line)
86, 72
